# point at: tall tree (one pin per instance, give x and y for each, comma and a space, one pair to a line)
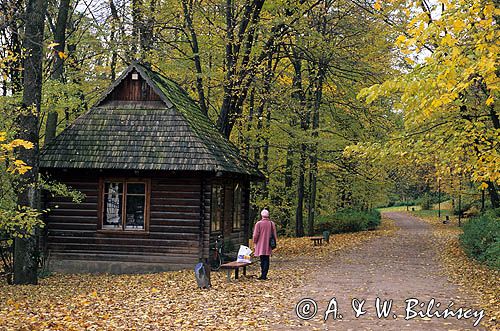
11, 45
450, 96
188, 11
25, 255
58, 64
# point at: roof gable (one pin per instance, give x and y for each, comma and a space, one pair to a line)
164, 129
123, 84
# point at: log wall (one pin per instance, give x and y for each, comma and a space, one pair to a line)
171, 242
178, 235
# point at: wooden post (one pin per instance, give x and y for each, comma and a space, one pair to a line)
460, 204
482, 200
439, 198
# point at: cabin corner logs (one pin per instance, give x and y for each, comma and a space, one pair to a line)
160, 182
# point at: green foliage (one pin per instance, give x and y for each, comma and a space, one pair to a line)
20, 223
59, 189
426, 202
429, 199
481, 238
348, 220
402, 203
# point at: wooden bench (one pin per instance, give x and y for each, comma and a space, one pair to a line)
235, 266
317, 241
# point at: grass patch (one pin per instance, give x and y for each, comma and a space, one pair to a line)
397, 208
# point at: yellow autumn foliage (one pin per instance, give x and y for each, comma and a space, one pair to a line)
449, 97
7, 154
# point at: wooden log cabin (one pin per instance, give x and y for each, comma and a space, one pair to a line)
160, 182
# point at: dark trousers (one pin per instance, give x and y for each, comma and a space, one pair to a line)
264, 266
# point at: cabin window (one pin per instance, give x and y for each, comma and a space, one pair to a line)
217, 207
237, 198
124, 205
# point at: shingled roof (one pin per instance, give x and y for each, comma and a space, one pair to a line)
171, 134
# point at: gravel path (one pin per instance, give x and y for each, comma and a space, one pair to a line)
397, 267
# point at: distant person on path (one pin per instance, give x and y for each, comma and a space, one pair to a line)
262, 233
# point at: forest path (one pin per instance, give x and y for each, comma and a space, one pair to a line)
397, 267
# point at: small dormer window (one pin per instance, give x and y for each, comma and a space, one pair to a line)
135, 76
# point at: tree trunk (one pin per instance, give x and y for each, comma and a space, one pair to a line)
270, 70
136, 29
299, 94
289, 169
188, 19
58, 66
115, 21
493, 192
146, 26
16, 73
299, 217
239, 43
265, 158
313, 170
10, 33
251, 105
25, 249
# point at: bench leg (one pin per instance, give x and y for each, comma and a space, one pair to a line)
236, 273
244, 271
228, 275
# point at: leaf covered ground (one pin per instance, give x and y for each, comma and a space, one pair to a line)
475, 279
171, 300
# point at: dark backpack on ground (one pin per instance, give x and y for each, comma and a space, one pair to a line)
202, 274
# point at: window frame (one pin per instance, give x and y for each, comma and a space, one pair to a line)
212, 209
124, 181
237, 211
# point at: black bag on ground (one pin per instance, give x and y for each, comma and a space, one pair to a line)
202, 274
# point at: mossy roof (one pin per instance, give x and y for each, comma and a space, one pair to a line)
171, 135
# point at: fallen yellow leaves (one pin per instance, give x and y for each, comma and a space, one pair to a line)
288, 247
171, 300
476, 279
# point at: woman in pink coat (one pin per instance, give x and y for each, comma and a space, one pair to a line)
261, 234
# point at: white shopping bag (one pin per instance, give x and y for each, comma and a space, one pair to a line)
244, 254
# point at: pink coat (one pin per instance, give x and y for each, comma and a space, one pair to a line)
261, 234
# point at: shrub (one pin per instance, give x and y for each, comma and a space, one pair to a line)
405, 203
372, 219
481, 238
426, 202
348, 220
